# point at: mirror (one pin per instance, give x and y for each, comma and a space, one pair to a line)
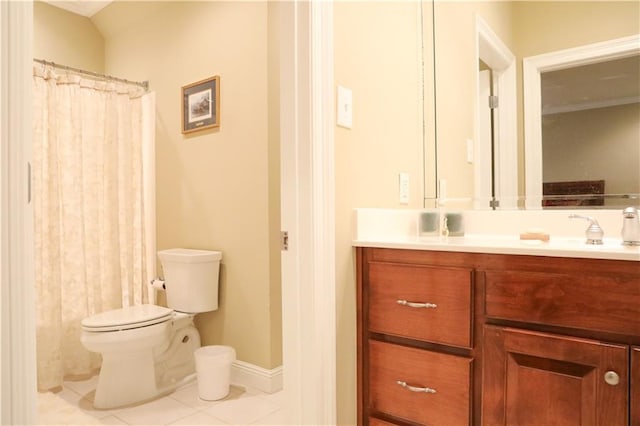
500, 35
582, 125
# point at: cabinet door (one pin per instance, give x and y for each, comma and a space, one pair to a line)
635, 386
535, 378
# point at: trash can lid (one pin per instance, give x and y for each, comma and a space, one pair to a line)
215, 351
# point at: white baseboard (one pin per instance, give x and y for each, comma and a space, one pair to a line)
250, 375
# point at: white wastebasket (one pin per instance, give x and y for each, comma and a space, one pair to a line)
213, 368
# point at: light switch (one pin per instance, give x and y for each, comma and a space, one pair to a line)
469, 151
345, 107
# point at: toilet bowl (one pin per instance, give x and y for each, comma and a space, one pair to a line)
148, 350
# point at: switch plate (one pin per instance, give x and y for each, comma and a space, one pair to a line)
470, 151
403, 189
344, 107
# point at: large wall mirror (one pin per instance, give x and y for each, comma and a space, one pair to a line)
586, 124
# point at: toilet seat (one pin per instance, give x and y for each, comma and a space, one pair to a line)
127, 318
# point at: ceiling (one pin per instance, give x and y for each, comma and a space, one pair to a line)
601, 84
81, 7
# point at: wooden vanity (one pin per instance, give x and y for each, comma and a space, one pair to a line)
455, 338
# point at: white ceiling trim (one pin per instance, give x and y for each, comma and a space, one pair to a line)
606, 103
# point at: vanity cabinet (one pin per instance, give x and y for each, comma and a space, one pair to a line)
451, 338
559, 351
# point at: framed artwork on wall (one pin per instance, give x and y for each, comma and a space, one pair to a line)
201, 105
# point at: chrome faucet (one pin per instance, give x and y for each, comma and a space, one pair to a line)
630, 227
594, 233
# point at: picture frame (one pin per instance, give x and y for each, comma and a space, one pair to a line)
201, 105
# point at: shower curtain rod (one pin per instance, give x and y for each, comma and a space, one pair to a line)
143, 84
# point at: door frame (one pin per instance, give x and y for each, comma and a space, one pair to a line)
308, 211
309, 334
17, 301
492, 51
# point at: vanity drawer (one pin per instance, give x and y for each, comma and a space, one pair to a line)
608, 303
448, 375
448, 291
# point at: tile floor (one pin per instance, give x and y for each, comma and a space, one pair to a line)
243, 406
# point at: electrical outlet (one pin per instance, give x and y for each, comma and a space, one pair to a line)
403, 189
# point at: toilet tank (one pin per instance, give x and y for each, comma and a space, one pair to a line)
191, 279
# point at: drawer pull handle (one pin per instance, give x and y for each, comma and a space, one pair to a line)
414, 388
416, 304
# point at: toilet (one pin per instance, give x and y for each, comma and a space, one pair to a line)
148, 350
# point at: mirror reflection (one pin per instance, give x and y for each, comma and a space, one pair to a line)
590, 130
482, 55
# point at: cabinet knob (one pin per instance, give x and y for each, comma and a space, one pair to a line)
612, 378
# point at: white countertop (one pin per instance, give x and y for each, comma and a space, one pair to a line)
389, 228
612, 250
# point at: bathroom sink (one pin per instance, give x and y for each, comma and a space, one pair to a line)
555, 246
496, 232
512, 244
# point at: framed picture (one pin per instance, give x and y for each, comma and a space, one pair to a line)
201, 105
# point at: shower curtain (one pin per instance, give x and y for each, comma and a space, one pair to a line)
94, 229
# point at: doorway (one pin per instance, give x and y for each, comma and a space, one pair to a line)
309, 347
497, 175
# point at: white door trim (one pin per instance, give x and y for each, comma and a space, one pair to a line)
482, 150
308, 211
532, 67
492, 50
17, 303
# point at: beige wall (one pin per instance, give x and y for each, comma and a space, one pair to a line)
377, 55
216, 189
275, 277
66, 38
456, 76
548, 26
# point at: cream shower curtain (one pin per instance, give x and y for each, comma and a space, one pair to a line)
94, 208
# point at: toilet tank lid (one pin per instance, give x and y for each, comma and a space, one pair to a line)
189, 255
128, 315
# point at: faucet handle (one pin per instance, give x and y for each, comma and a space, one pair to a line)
594, 232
